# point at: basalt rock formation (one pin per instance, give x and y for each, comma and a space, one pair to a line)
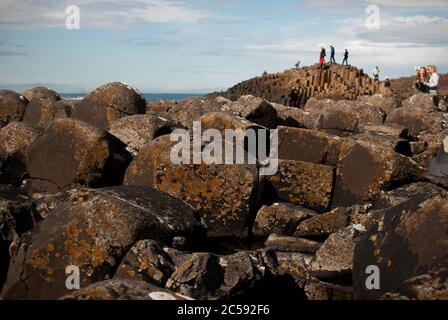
93, 185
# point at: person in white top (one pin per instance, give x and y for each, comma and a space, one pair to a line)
433, 83
376, 74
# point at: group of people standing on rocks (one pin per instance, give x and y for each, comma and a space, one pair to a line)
323, 54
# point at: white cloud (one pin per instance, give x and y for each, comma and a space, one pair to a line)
96, 13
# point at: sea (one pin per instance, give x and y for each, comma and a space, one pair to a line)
148, 96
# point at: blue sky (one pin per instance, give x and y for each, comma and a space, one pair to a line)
199, 46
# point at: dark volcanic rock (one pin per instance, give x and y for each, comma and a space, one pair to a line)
291, 244
387, 104
430, 286
335, 256
109, 103
93, 230
137, 131
365, 170
41, 112
123, 290
316, 290
72, 152
41, 93
256, 110
224, 195
325, 224
406, 241
12, 107
308, 146
280, 218
16, 138
422, 101
416, 120
17, 215
207, 276
306, 184
148, 262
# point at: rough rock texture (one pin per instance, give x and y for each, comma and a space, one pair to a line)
207, 276
41, 112
80, 154
256, 110
16, 138
430, 286
308, 146
316, 290
306, 184
416, 120
17, 215
280, 218
12, 107
41, 93
406, 241
123, 290
422, 101
93, 230
335, 256
365, 170
224, 195
148, 262
109, 103
387, 104
137, 131
291, 244
325, 224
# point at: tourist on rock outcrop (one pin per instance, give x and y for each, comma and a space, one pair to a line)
433, 83
345, 58
333, 53
376, 74
298, 64
323, 54
421, 79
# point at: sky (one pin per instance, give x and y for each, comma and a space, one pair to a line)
198, 46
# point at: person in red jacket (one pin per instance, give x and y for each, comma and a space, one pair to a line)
323, 54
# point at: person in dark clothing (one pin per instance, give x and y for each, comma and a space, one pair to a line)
345, 58
333, 53
323, 54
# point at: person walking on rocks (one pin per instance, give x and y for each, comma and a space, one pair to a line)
323, 54
345, 58
332, 54
376, 74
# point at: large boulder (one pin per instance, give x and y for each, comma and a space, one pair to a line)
291, 117
41, 112
109, 103
123, 289
306, 184
416, 120
41, 93
280, 218
387, 104
366, 169
146, 261
72, 152
93, 230
208, 276
422, 101
324, 224
137, 131
225, 195
406, 241
335, 256
12, 107
16, 138
291, 244
308, 146
254, 109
